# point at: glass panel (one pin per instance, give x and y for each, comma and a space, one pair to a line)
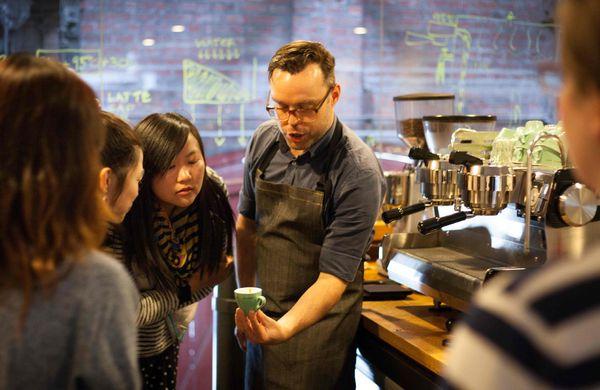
208, 60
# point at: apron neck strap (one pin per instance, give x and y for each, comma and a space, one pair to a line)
266, 158
324, 183
268, 155
331, 148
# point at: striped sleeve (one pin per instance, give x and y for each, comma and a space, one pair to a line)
155, 305
197, 296
537, 331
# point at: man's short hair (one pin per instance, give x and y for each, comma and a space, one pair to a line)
295, 56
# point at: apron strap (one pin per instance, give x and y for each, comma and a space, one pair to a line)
266, 158
324, 183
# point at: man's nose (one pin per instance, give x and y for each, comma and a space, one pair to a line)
293, 119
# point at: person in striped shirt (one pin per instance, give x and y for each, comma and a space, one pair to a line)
176, 240
542, 329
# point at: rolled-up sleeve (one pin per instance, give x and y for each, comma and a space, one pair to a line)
355, 208
246, 203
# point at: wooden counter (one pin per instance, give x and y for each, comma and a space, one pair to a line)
410, 326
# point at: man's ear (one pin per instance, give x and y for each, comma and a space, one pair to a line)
335, 94
104, 180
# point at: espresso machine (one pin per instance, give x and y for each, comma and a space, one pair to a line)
502, 219
402, 186
433, 178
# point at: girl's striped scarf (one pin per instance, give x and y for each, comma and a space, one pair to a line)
178, 239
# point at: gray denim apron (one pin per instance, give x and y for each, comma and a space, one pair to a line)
289, 237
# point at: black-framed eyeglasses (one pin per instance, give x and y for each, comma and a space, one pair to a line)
282, 114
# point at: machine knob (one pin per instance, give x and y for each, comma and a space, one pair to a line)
577, 205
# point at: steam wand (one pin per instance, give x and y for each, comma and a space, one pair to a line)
542, 136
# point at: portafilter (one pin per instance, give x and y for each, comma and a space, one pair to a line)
438, 182
484, 189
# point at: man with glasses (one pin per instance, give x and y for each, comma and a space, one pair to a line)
312, 190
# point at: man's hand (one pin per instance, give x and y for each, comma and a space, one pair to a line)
198, 282
259, 328
313, 305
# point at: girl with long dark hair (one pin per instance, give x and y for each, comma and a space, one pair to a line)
176, 240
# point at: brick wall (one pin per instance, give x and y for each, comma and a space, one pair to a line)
483, 51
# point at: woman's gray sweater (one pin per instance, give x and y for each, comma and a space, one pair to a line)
82, 334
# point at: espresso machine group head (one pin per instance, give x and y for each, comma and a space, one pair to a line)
482, 189
437, 179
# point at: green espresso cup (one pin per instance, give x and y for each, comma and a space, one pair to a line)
249, 298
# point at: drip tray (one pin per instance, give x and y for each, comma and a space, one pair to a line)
441, 272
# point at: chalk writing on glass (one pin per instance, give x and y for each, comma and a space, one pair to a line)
80, 60
461, 38
84, 60
123, 103
220, 49
203, 85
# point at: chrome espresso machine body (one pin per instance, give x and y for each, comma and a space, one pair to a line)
435, 181
503, 219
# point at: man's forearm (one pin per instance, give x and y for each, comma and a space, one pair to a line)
245, 259
314, 304
245, 262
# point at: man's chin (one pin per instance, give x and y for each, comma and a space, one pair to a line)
298, 148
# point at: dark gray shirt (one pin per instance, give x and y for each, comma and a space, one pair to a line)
80, 335
357, 191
